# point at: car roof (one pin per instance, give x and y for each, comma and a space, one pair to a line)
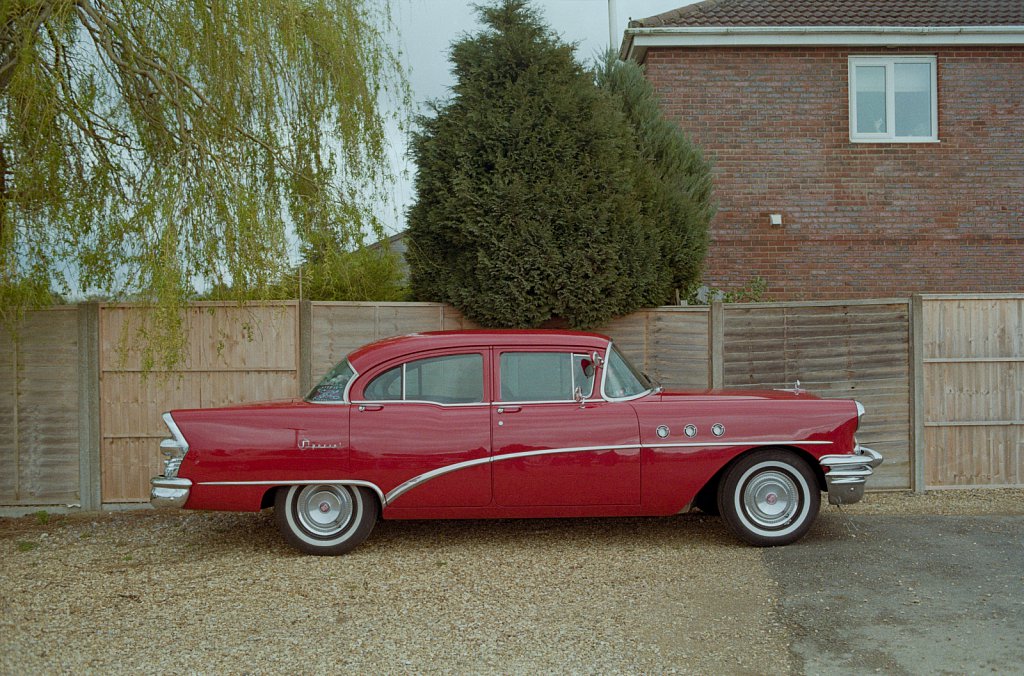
390, 348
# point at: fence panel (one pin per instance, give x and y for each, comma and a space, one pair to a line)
973, 390
857, 350
234, 354
39, 404
338, 328
669, 343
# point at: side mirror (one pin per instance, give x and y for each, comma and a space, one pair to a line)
588, 367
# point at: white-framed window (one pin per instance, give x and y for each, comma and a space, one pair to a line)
893, 99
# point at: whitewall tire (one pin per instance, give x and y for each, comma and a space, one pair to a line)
770, 498
326, 519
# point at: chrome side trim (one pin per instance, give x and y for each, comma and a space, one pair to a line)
845, 475
389, 402
304, 482
547, 401
394, 493
404, 487
741, 442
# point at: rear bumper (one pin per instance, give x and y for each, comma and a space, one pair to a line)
169, 492
845, 475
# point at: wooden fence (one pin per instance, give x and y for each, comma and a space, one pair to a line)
39, 410
234, 355
854, 350
942, 378
973, 386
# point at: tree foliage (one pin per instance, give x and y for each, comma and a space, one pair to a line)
368, 273
149, 145
534, 198
673, 181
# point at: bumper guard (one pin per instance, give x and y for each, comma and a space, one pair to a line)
845, 475
169, 492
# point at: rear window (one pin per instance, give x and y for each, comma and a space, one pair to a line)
451, 379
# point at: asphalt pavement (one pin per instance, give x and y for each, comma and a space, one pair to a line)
905, 595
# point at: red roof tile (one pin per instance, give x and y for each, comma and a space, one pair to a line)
713, 13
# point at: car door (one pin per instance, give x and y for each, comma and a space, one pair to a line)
420, 429
549, 448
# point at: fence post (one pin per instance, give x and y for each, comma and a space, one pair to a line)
89, 495
716, 345
305, 347
917, 392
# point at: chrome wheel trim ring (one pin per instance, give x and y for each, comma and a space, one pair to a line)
324, 510
771, 499
801, 513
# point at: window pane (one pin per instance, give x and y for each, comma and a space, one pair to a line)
870, 97
913, 83
332, 387
385, 387
624, 379
536, 376
455, 379
582, 365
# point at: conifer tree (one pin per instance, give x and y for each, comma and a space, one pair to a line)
672, 179
545, 191
526, 204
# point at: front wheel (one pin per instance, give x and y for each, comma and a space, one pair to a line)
770, 498
325, 519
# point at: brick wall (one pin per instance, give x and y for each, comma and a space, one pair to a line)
859, 220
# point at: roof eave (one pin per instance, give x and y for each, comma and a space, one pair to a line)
637, 41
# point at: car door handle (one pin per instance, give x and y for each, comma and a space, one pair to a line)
509, 409
370, 407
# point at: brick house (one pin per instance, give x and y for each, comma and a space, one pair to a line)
861, 148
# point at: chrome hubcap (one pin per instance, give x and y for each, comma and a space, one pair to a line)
324, 510
771, 499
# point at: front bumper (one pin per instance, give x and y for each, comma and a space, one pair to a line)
845, 475
169, 492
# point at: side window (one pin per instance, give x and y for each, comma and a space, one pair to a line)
622, 379
385, 387
452, 379
545, 376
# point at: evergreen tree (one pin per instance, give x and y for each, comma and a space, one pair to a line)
527, 205
672, 179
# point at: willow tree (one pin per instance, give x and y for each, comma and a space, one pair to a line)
147, 145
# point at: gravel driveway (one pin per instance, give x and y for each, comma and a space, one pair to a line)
189, 591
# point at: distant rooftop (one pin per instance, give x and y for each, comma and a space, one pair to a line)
736, 13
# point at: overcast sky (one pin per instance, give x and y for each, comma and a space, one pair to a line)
427, 29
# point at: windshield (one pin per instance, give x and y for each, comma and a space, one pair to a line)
622, 379
332, 387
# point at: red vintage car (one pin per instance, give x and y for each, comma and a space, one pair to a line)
512, 424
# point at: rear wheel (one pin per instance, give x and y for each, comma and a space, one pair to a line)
769, 498
326, 519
